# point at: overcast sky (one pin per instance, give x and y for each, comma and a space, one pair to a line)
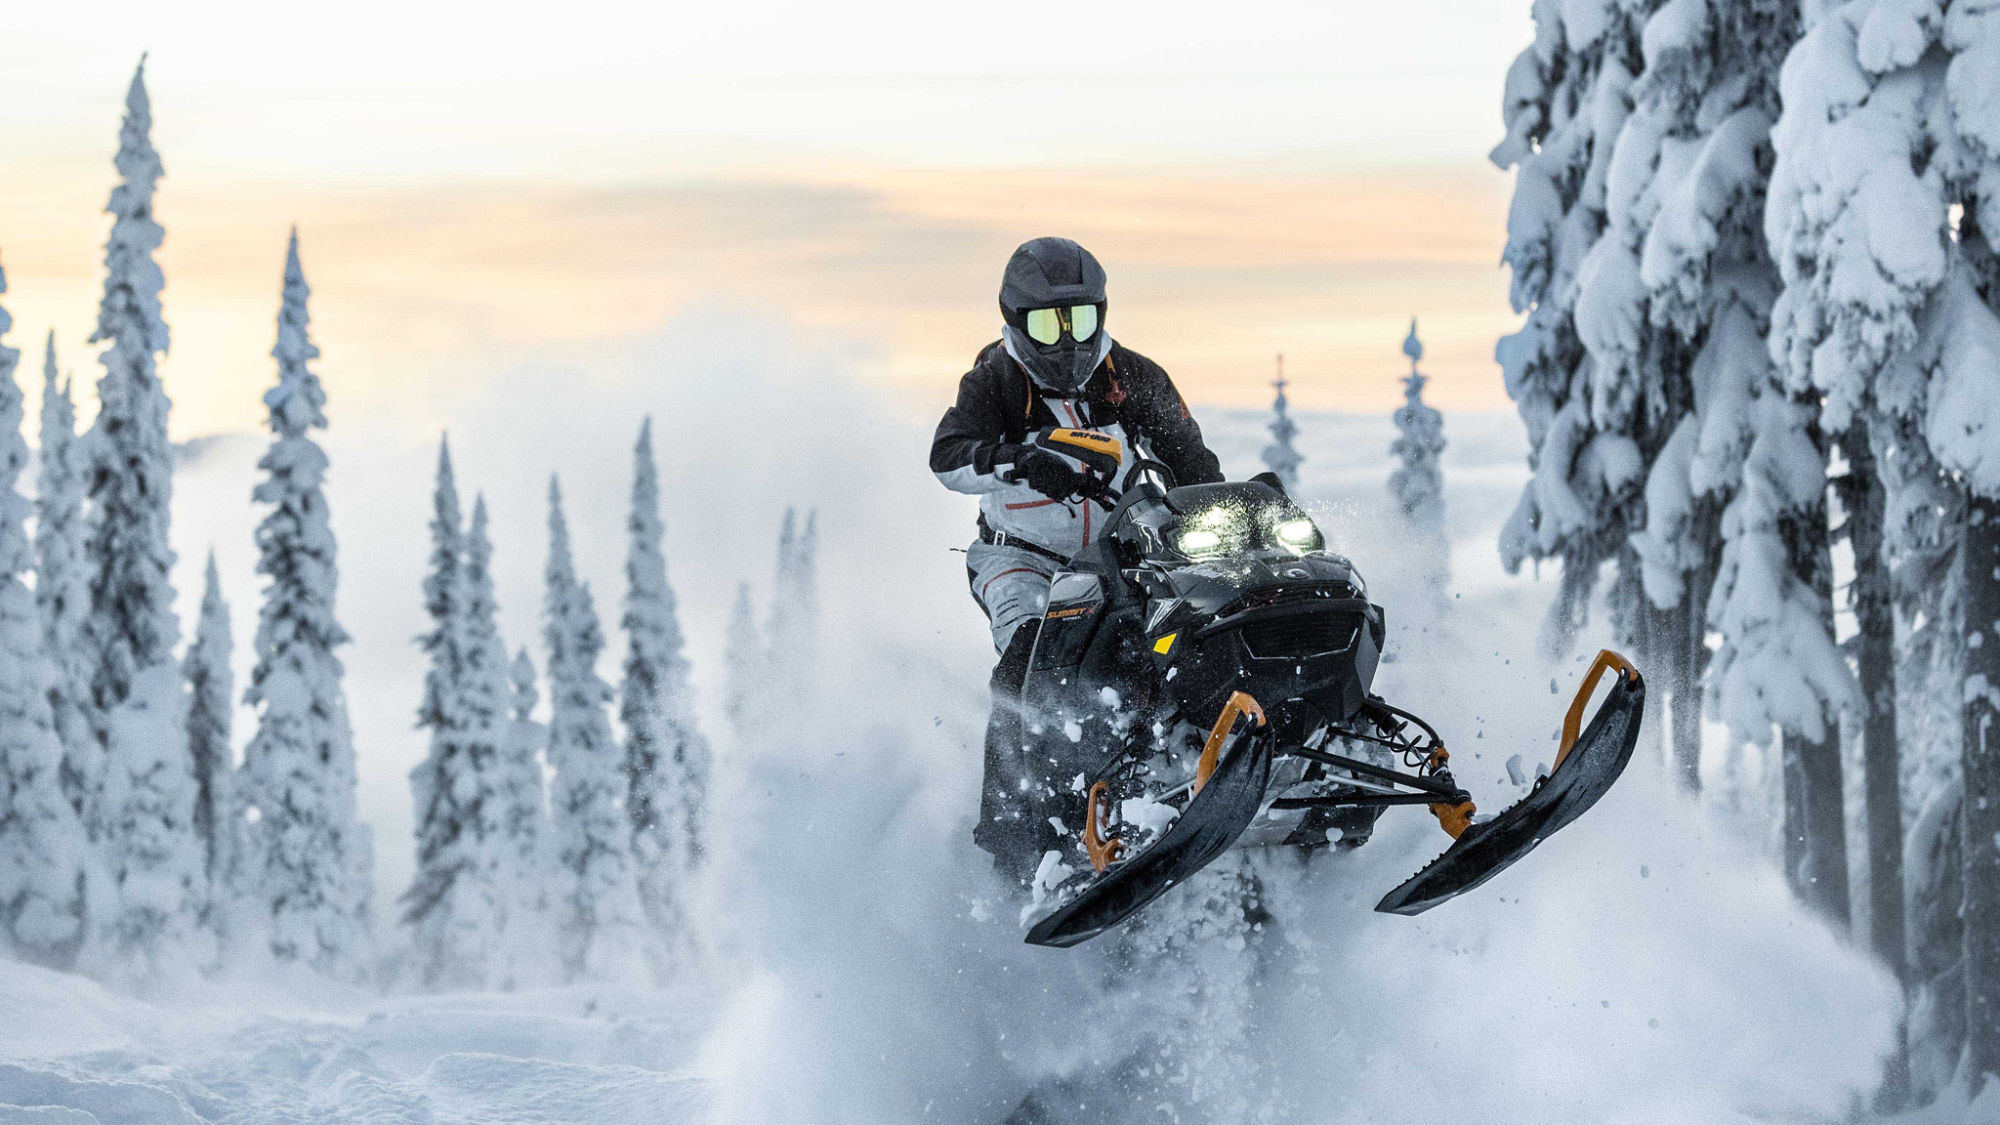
478, 192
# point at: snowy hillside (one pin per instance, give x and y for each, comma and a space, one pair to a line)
1644, 967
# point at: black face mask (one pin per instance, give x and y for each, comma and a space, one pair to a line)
1052, 298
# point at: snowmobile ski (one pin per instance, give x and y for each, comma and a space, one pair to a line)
1228, 789
1586, 766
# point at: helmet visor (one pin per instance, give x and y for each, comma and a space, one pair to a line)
1046, 326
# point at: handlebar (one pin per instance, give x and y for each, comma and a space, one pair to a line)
1100, 457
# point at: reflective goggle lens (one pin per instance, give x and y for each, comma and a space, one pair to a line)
1045, 326
1083, 322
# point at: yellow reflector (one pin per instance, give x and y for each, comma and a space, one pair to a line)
1165, 644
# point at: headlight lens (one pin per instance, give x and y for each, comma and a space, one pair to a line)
1198, 541
1217, 531
1298, 534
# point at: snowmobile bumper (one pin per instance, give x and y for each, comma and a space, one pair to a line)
1589, 760
1234, 770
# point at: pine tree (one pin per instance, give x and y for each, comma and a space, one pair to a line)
61, 596
129, 476
211, 714
452, 903
142, 817
523, 850
42, 849
1566, 99
1674, 299
1946, 406
1418, 484
793, 658
311, 855
1888, 313
598, 910
485, 696
1281, 457
666, 758
746, 665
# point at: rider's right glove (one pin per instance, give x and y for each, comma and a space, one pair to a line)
1047, 473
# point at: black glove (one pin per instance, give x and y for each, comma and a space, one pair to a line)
1047, 473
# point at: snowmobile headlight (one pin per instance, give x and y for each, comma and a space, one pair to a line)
1198, 541
1298, 534
1214, 531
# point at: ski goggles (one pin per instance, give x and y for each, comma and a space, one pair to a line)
1046, 326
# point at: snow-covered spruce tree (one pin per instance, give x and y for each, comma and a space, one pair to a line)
211, 714
1860, 238
1862, 498
1891, 123
142, 818
600, 920
1418, 481
746, 668
485, 697
452, 903
310, 858
61, 595
523, 844
128, 477
666, 758
1281, 457
794, 626
1566, 98
1676, 296
1961, 427
42, 848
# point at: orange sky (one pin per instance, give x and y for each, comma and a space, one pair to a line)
1276, 182
443, 284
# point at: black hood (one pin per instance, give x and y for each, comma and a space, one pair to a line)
1047, 273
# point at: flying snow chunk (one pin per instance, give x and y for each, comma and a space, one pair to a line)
1147, 815
1052, 873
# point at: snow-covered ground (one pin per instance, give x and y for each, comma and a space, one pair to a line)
538, 1058
1646, 966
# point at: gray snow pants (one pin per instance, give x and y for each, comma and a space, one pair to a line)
1011, 585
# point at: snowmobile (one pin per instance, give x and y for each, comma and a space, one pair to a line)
1201, 681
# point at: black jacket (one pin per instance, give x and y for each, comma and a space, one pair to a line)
998, 407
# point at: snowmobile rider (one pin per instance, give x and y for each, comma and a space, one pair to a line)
1053, 366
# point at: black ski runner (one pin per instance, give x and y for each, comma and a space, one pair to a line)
1584, 773
1212, 821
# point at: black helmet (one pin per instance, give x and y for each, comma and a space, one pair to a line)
1052, 298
